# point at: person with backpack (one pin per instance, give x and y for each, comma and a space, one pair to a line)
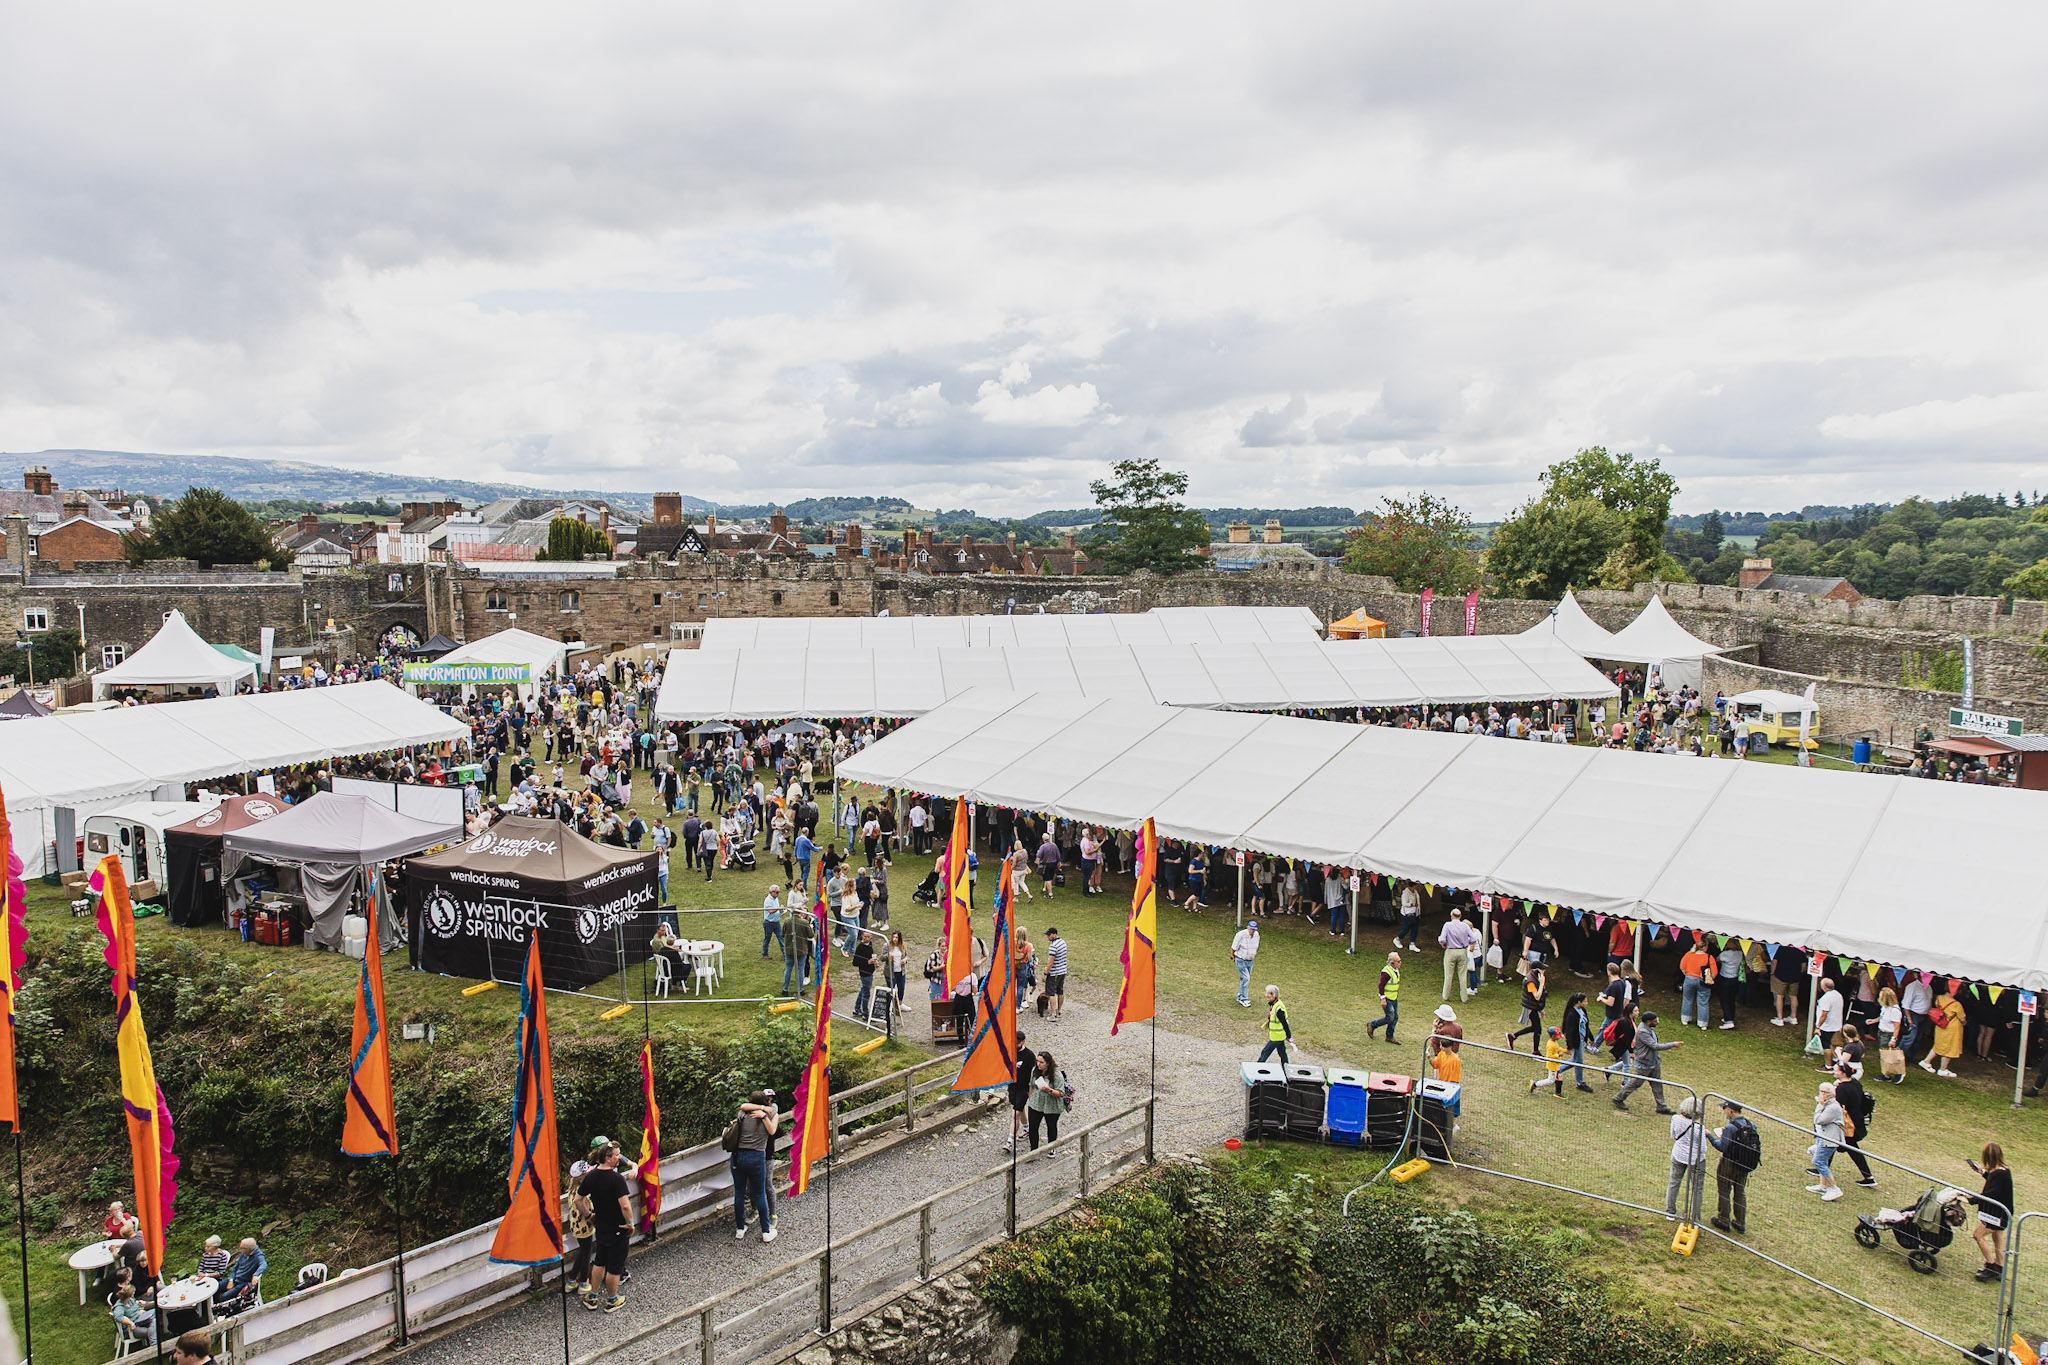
1048, 1099
750, 1138
1742, 1151
1857, 1105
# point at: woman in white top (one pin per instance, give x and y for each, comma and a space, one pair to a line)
1020, 872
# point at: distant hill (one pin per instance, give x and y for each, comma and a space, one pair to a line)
168, 476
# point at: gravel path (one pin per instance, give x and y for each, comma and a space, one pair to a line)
1199, 1106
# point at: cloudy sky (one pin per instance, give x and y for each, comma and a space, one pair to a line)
971, 254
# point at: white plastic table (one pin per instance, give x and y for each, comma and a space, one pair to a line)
187, 1293
88, 1259
707, 962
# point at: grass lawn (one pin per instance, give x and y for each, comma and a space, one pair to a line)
1580, 1139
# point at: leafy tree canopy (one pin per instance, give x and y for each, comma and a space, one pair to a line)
570, 539
1145, 525
1599, 522
209, 526
1421, 543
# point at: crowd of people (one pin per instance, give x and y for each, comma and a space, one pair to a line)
130, 1289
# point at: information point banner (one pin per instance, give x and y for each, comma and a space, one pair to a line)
469, 675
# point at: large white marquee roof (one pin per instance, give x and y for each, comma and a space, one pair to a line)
901, 681
1160, 626
1848, 863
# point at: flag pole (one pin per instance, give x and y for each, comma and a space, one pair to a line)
398, 1233
21, 1212
564, 1263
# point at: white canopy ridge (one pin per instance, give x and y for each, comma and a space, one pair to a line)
1570, 626
174, 657
1654, 637
1859, 872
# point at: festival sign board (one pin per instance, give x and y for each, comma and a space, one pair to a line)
1983, 723
468, 675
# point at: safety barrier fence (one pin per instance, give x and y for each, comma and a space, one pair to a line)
1865, 1246
853, 1273
453, 1281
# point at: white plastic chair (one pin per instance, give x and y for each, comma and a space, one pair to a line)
661, 975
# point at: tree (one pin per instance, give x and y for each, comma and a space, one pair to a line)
1638, 490
1598, 521
2031, 581
210, 527
1144, 523
55, 654
1548, 546
1426, 543
570, 539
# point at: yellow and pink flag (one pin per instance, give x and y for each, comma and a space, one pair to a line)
150, 1135
13, 954
1141, 937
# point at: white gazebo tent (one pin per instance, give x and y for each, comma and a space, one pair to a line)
542, 656
1568, 624
175, 657
1654, 639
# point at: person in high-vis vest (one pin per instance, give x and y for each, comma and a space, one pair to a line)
1279, 1028
1390, 997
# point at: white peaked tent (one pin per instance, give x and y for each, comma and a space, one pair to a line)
1654, 638
1569, 625
1606, 831
175, 657
513, 646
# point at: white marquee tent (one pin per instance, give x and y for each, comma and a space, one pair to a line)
902, 681
1857, 865
1654, 638
1569, 625
1160, 626
511, 646
174, 657
99, 759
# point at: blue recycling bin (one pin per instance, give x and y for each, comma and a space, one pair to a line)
1344, 1115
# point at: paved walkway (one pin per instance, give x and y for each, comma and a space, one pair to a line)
1198, 1107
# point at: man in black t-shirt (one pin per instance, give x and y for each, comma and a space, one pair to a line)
612, 1208
1020, 1089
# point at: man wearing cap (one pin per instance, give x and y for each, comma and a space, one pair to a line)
1243, 949
1739, 1145
1458, 939
1390, 998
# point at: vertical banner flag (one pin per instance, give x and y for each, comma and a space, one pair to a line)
1141, 936
531, 1232
1472, 612
1806, 723
1427, 594
991, 1058
13, 954
150, 1136
959, 888
1969, 675
370, 1123
650, 1144
810, 1139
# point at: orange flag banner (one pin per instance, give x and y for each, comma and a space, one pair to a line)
370, 1117
959, 888
650, 1144
531, 1233
150, 1135
810, 1140
1141, 937
13, 954
991, 1058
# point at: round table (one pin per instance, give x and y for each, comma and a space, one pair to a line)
88, 1259
186, 1296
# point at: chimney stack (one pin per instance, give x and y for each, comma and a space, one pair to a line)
1240, 533
1010, 539
778, 522
1754, 572
74, 504
36, 479
668, 509
1273, 531
1070, 540
710, 524
310, 522
853, 537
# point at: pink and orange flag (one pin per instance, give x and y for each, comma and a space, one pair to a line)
150, 1135
13, 954
991, 1058
810, 1138
531, 1233
370, 1117
958, 884
650, 1143
1141, 938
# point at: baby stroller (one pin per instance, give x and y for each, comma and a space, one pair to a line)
928, 890
1922, 1231
741, 855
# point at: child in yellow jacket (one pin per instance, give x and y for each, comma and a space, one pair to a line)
1557, 1052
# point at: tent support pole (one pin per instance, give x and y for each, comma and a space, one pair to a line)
1239, 855
1639, 947
1353, 892
2019, 1079
1485, 936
